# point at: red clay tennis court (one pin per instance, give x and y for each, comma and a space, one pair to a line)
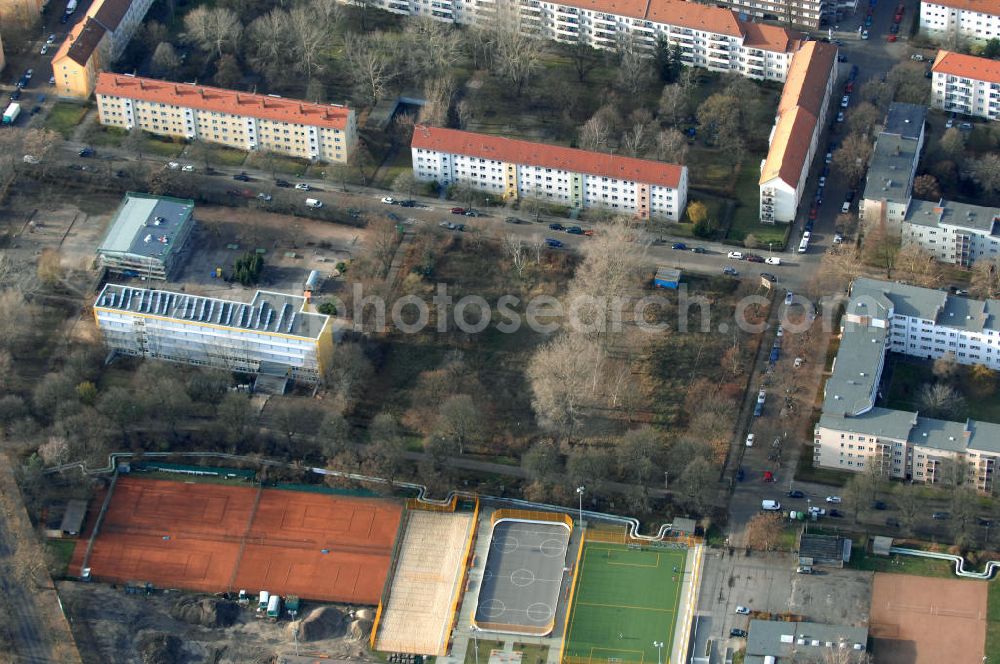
212, 537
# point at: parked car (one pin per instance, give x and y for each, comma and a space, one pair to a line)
554, 227
16, 94
738, 633
965, 126
735, 255
408, 203
174, 166
879, 505
388, 200
834, 500
264, 197
844, 101
283, 183
894, 28
679, 246
458, 210
840, 116
816, 511
44, 50
473, 213
864, 35
822, 181
242, 177
554, 243
836, 514
749, 440
803, 569
799, 362
514, 220
796, 494
742, 611
773, 260
941, 516
302, 186
729, 271
788, 297
187, 168
828, 158
574, 230
699, 250
85, 152
891, 38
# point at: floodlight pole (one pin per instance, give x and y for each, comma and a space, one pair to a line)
659, 651
579, 493
475, 640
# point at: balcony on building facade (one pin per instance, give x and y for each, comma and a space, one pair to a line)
398, 6
531, 6
568, 11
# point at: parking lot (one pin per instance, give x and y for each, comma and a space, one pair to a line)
768, 583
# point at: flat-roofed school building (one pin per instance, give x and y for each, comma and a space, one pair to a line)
147, 236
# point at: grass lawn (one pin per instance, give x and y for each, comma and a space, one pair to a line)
106, 136
862, 560
908, 377
993, 622
64, 117
400, 163
532, 653
746, 218
224, 156
62, 552
484, 647
162, 148
625, 599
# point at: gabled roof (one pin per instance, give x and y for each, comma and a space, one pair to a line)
81, 42
769, 37
786, 158
969, 66
674, 12
981, 6
225, 101
515, 151
808, 75
110, 13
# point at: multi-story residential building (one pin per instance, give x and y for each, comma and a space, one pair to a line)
971, 19
516, 169
854, 434
794, 138
237, 119
966, 84
955, 233
807, 13
889, 183
706, 36
147, 236
274, 334
97, 40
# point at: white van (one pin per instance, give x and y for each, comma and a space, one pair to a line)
262, 601
314, 203
770, 505
846, 207
804, 245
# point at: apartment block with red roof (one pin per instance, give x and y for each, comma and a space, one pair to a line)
97, 40
794, 139
707, 36
238, 120
971, 19
966, 84
516, 169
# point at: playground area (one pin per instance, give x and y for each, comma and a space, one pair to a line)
626, 599
426, 581
523, 573
211, 538
923, 620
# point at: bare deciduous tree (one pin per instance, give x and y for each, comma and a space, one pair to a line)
460, 420
516, 51
671, 146
764, 531
985, 281
941, 400
564, 377
673, 103
594, 134
371, 60
635, 70
851, 158
165, 60
516, 251
213, 29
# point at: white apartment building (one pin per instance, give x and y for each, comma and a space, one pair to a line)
516, 169
239, 120
274, 334
853, 433
954, 233
966, 84
972, 19
889, 181
794, 137
707, 36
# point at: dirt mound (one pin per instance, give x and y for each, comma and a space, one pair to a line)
205, 611
157, 648
323, 623
361, 629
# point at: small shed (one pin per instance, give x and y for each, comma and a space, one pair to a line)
72, 521
667, 277
881, 545
684, 526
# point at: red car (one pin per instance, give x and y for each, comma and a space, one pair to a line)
458, 210
812, 213
891, 38
849, 88
897, 18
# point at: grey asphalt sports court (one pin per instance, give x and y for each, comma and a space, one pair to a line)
522, 576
